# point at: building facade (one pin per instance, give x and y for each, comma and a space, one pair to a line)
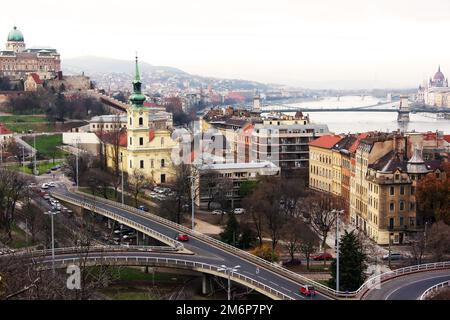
142, 147
17, 62
435, 93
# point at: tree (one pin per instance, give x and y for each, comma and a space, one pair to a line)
352, 263
231, 232
438, 240
433, 196
417, 247
13, 188
247, 187
174, 206
319, 208
83, 165
291, 237
138, 181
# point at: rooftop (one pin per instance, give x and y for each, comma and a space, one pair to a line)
326, 142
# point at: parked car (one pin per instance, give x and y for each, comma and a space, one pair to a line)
239, 211
218, 212
44, 186
308, 291
52, 184
322, 256
182, 237
143, 208
394, 256
153, 195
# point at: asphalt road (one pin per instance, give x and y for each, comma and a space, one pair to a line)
408, 287
209, 254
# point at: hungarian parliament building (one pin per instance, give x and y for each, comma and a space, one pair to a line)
435, 93
17, 62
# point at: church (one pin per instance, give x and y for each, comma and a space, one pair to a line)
435, 93
143, 147
17, 62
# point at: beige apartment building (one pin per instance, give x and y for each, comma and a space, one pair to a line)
321, 163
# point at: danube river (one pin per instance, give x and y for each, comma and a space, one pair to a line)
354, 122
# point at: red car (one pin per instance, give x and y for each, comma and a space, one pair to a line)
182, 237
308, 291
323, 256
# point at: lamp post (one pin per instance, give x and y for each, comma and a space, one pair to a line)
121, 160
51, 213
35, 151
338, 213
228, 271
77, 156
193, 200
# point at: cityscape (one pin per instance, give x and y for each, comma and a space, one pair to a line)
161, 172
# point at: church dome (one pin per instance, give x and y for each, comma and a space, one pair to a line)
15, 35
439, 76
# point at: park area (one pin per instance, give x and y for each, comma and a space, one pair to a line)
47, 146
36, 123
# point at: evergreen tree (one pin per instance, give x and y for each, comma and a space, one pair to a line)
352, 264
230, 234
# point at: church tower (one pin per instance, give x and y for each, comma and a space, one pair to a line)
138, 118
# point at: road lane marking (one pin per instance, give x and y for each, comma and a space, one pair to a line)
407, 284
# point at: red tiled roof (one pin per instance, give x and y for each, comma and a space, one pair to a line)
36, 78
4, 130
355, 145
447, 138
325, 141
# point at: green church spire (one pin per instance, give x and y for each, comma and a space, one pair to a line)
137, 99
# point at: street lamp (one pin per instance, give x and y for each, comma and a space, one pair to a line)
121, 160
77, 140
228, 271
193, 200
52, 213
338, 213
35, 152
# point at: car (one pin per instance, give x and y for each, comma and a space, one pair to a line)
54, 168
153, 195
322, 256
52, 184
46, 197
218, 212
44, 186
239, 211
394, 256
48, 171
143, 208
182, 237
308, 291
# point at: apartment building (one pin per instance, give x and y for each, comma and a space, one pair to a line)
322, 163
235, 174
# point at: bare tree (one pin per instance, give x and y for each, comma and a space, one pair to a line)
137, 182
320, 208
438, 239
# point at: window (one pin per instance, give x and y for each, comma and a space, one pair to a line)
392, 191
131, 141
391, 223
402, 205
413, 190
131, 121
397, 176
163, 163
141, 141
402, 190
152, 163
141, 122
401, 221
162, 141
391, 206
163, 178
142, 164
131, 164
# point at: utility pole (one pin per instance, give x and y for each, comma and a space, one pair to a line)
338, 213
35, 151
389, 256
121, 160
193, 201
1, 152
51, 213
77, 156
23, 159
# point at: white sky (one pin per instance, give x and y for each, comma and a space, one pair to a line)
320, 43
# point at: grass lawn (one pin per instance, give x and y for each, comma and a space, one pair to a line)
42, 167
47, 146
36, 127
23, 119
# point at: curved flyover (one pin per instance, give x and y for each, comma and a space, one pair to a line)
203, 249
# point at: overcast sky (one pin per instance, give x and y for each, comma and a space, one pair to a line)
320, 43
